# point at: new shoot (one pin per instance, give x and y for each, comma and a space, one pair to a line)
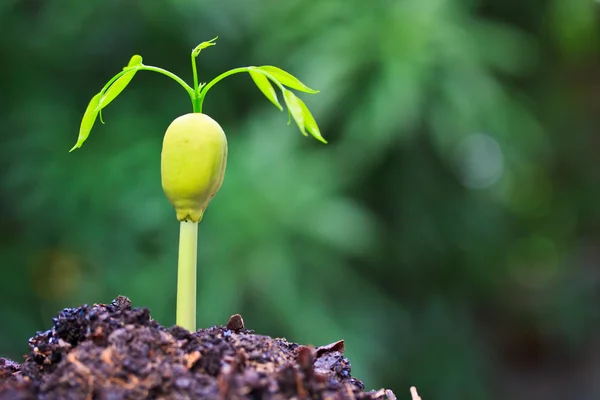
194, 153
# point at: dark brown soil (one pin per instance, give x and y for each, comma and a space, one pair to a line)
113, 352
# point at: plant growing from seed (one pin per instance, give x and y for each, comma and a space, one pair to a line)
194, 153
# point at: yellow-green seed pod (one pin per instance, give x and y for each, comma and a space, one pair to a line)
193, 159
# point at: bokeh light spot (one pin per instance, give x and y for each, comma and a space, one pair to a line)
479, 162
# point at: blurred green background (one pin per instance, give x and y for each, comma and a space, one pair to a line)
449, 231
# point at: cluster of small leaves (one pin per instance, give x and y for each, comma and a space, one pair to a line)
110, 91
297, 109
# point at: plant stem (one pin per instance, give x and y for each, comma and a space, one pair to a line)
195, 73
186, 275
212, 83
224, 75
170, 75
191, 92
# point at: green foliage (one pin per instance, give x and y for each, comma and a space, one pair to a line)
112, 89
286, 79
265, 87
88, 120
119, 82
392, 237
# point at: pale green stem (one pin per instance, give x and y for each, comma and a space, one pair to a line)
195, 99
195, 73
212, 83
170, 75
191, 92
186, 275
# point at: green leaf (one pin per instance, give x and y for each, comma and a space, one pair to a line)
295, 109
265, 87
309, 122
87, 122
203, 46
286, 79
300, 113
134, 61
121, 83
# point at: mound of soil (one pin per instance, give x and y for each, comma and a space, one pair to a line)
113, 352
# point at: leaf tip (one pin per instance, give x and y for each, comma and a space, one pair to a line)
204, 45
136, 59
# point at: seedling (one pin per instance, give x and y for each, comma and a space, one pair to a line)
194, 153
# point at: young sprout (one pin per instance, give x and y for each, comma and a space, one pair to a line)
194, 153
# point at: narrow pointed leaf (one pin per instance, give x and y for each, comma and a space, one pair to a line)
87, 122
309, 122
265, 87
287, 79
294, 108
121, 83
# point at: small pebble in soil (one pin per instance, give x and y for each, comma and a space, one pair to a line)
116, 352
